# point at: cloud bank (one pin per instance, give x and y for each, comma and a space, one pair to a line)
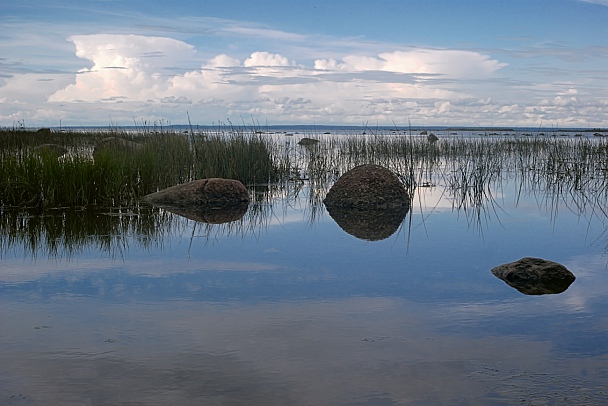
132, 68
130, 76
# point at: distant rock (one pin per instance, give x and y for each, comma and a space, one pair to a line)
51, 149
423, 132
367, 187
535, 276
43, 131
308, 141
116, 144
432, 138
212, 200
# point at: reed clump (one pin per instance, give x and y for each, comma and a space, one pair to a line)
248, 158
116, 175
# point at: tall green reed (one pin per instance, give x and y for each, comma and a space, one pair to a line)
119, 175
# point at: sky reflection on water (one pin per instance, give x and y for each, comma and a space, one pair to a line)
300, 312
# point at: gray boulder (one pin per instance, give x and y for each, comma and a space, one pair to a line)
432, 138
212, 200
535, 276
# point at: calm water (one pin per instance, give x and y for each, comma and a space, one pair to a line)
286, 308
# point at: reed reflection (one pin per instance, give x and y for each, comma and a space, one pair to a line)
66, 232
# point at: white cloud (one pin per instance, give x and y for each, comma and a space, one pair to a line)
449, 63
223, 61
126, 76
267, 59
132, 66
136, 68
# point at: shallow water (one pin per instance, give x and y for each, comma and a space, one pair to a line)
285, 307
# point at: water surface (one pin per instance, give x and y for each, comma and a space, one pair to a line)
285, 307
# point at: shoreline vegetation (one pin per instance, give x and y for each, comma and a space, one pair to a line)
60, 200
50, 169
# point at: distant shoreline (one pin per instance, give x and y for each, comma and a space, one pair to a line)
314, 128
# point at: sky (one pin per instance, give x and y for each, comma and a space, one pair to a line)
513, 63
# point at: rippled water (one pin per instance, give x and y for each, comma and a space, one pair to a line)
286, 308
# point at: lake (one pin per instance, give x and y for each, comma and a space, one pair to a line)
138, 306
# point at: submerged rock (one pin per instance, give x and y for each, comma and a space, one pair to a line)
213, 200
308, 141
535, 276
367, 187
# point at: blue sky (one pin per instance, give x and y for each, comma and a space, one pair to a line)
432, 62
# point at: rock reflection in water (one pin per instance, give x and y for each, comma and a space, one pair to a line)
211, 215
369, 224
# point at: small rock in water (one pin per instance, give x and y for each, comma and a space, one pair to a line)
535, 276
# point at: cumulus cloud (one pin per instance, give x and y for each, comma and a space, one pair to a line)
127, 75
267, 59
223, 61
132, 66
449, 63
138, 68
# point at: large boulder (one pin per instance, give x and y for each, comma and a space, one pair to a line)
368, 202
211, 200
535, 276
367, 187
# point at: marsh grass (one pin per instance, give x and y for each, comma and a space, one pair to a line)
470, 170
119, 176
236, 155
